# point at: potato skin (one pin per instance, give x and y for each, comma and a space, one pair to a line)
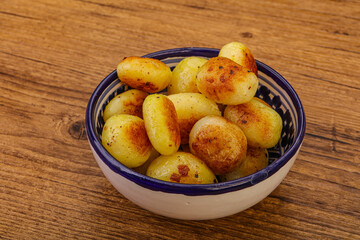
181, 167
220, 143
146, 74
184, 75
124, 137
256, 159
261, 124
161, 123
191, 107
129, 102
240, 54
226, 82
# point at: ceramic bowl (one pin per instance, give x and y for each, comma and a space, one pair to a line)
203, 201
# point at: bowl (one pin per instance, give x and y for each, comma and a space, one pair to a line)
201, 201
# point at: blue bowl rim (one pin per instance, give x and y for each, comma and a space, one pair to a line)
194, 189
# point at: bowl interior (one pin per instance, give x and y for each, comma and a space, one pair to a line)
273, 89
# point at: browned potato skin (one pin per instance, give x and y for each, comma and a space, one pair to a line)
220, 143
161, 123
261, 124
220, 79
146, 74
129, 102
124, 137
256, 159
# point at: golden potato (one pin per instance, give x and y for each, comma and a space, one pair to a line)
240, 54
256, 159
143, 168
181, 167
124, 137
226, 82
146, 74
184, 74
161, 123
129, 102
190, 107
220, 143
261, 124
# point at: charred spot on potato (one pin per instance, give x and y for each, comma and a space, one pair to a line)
175, 177
183, 170
222, 78
210, 80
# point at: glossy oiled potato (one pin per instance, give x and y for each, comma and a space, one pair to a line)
190, 107
256, 159
181, 167
146, 74
124, 137
161, 123
226, 82
240, 54
220, 143
129, 102
261, 124
184, 74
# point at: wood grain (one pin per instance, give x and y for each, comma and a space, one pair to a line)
54, 53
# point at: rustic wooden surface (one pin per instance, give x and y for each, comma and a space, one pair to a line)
54, 53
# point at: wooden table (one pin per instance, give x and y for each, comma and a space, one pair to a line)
54, 53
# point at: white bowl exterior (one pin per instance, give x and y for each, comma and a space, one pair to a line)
194, 207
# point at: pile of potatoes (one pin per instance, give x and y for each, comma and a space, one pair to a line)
208, 128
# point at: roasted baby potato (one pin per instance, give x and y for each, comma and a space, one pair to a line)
261, 124
146, 74
256, 159
161, 123
129, 102
240, 54
181, 167
184, 74
220, 143
124, 137
226, 82
190, 107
